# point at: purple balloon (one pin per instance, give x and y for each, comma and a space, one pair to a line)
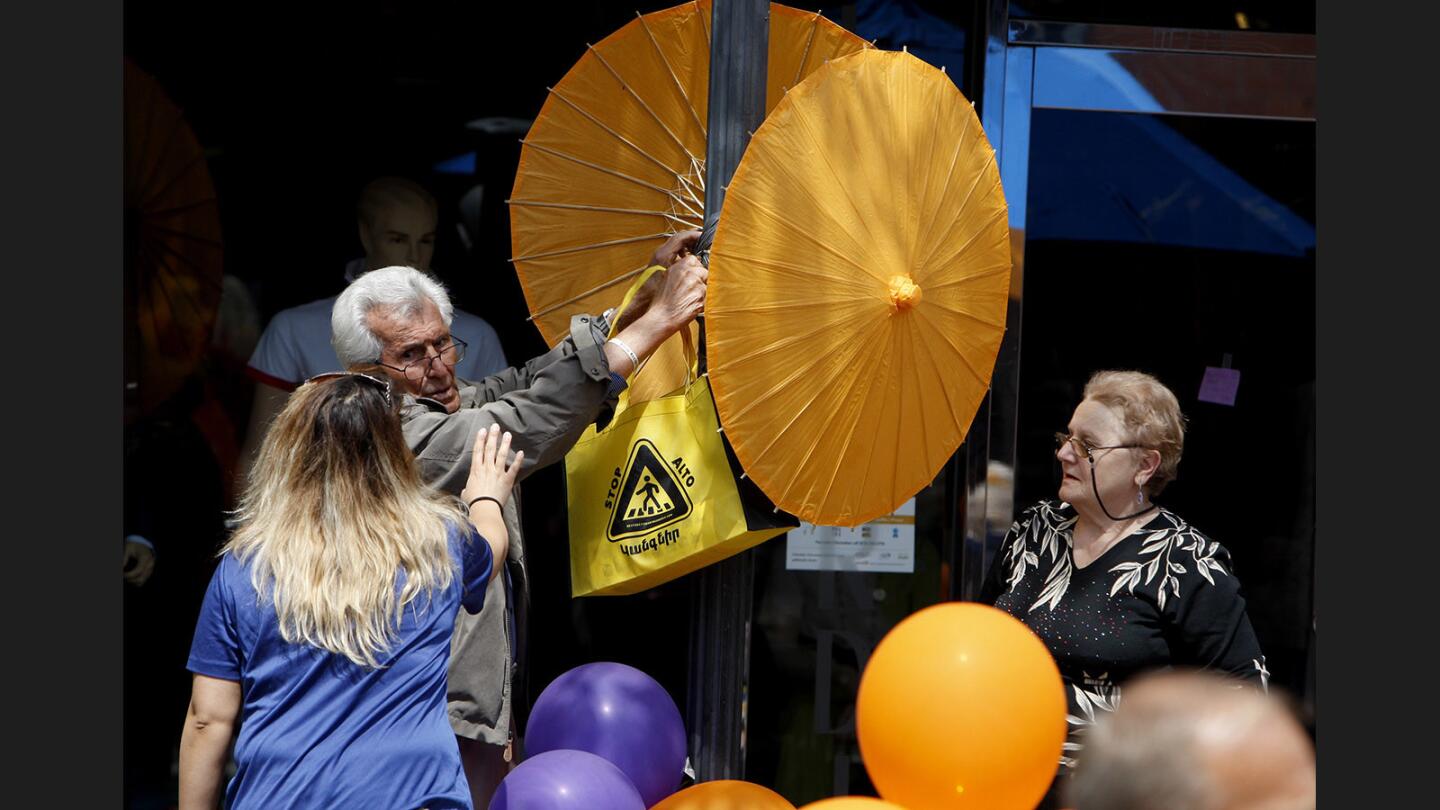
618, 713
566, 780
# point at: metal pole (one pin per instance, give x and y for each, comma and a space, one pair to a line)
739, 46
723, 594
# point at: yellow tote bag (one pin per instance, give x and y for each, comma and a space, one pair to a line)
657, 493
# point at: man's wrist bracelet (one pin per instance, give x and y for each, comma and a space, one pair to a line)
634, 360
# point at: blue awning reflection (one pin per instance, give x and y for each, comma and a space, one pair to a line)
1129, 177
891, 24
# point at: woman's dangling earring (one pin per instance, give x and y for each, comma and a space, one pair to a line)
1140, 496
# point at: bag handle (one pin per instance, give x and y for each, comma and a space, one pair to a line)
630, 293
691, 356
691, 359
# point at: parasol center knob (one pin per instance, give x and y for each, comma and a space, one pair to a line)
904, 293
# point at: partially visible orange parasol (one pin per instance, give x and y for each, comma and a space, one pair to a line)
615, 161
173, 252
858, 283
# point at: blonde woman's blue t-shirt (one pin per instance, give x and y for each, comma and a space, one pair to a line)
317, 730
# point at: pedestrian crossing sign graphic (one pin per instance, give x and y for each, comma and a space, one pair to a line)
651, 495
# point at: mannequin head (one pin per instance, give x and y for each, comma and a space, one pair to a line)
397, 220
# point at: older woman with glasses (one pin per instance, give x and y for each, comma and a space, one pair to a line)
1112, 582
325, 633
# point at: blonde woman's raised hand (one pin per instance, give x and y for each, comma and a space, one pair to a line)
490, 474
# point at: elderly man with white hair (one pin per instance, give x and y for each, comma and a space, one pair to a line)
398, 319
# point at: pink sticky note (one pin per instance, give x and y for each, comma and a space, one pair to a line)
1219, 385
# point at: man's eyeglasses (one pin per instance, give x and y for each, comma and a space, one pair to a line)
1085, 449
383, 385
449, 354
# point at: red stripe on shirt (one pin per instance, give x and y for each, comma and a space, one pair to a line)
274, 382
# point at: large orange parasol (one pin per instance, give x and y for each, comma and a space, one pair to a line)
615, 161
857, 292
172, 246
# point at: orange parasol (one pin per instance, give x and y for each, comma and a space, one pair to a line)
172, 246
615, 160
858, 283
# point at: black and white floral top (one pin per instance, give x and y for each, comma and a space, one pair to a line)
1162, 596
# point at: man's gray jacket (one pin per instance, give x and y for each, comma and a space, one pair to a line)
545, 405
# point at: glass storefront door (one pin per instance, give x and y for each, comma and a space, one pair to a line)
1162, 191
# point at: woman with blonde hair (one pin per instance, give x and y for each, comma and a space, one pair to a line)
1111, 581
326, 628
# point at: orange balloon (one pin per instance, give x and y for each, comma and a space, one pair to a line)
852, 803
961, 706
724, 794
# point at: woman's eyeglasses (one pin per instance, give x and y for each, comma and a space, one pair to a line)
383, 385
1086, 449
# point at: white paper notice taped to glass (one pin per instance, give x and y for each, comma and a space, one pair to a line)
885, 544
